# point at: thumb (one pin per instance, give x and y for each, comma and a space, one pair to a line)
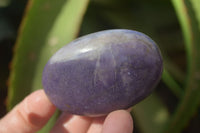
119, 121
28, 116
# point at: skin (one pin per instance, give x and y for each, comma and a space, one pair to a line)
35, 110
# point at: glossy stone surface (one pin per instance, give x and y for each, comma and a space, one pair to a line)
102, 72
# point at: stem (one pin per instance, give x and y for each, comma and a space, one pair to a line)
172, 84
191, 98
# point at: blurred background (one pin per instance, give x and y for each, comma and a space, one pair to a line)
173, 107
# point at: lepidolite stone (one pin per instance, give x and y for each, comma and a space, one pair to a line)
102, 72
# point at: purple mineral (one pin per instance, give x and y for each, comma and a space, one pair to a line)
102, 72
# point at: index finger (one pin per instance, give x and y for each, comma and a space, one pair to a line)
28, 116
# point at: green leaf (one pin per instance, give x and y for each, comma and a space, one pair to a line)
150, 115
46, 27
188, 13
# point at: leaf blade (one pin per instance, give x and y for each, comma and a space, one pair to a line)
43, 20
32, 47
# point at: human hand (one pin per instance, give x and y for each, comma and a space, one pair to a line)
35, 110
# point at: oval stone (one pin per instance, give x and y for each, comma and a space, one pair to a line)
102, 72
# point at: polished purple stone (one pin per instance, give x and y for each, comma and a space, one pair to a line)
102, 72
